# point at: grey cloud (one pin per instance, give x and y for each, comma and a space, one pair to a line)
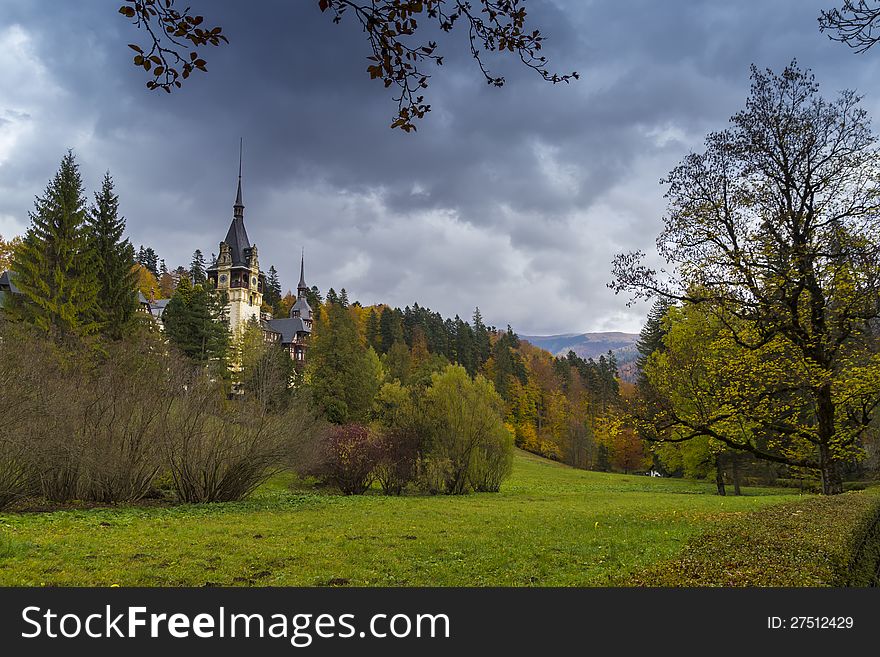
512, 199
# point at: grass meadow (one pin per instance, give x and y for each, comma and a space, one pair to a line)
550, 525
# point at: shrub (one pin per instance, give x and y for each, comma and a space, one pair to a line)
99, 421
397, 453
118, 423
349, 456
219, 450
83, 422
465, 431
29, 431
492, 461
398, 422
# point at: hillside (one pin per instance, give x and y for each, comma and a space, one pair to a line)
593, 345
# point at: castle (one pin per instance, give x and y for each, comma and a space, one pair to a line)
235, 272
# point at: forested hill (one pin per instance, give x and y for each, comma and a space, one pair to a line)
593, 345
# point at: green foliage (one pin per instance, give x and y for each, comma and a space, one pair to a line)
397, 363
709, 388
197, 268
193, 323
390, 329
651, 339
114, 263
266, 369
372, 330
773, 232
508, 366
343, 374
148, 258
466, 431
272, 293
818, 542
55, 268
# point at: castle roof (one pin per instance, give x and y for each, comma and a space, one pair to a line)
6, 282
239, 244
302, 306
288, 327
236, 236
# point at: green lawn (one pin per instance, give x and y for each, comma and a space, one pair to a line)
549, 526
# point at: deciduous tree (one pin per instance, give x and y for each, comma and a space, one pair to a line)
774, 230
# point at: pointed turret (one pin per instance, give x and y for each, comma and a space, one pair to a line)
302, 276
238, 206
301, 308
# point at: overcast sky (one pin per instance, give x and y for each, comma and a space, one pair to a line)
511, 199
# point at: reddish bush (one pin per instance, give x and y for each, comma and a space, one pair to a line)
350, 457
397, 456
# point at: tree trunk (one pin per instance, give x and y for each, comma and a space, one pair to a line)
832, 482
735, 464
719, 476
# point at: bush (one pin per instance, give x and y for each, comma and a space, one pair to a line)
219, 450
83, 423
348, 458
118, 423
397, 453
821, 541
492, 462
98, 422
398, 423
466, 432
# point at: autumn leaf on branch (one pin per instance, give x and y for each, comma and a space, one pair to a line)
391, 27
171, 34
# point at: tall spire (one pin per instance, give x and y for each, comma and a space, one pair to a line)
302, 269
238, 208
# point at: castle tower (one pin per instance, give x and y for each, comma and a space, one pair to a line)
236, 272
303, 312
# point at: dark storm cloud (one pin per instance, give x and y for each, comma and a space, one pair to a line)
512, 199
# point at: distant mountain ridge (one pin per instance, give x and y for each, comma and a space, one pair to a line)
593, 345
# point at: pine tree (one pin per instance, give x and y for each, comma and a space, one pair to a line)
273, 288
114, 263
390, 328
482, 344
148, 258
343, 298
313, 296
197, 268
163, 268
344, 374
465, 349
332, 297
193, 323
372, 330
651, 337
55, 270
